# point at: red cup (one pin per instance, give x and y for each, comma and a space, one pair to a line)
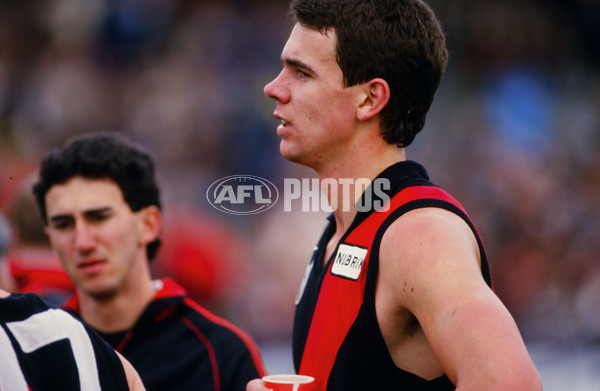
289, 382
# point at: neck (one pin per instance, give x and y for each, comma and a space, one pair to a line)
345, 183
121, 310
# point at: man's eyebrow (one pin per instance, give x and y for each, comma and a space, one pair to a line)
62, 216
94, 211
298, 64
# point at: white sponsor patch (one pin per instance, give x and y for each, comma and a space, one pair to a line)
348, 261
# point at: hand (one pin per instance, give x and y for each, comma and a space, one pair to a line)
256, 385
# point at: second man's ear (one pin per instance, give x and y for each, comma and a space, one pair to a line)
150, 224
376, 96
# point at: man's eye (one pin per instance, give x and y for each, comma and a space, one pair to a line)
98, 217
61, 225
302, 74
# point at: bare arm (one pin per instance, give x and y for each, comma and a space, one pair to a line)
133, 378
429, 266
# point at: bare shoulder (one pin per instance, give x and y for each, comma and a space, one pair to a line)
429, 238
428, 257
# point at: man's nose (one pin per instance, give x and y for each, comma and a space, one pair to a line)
84, 238
276, 89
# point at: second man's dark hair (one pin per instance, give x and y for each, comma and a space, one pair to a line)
102, 155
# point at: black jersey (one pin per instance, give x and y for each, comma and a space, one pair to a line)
176, 344
337, 338
45, 348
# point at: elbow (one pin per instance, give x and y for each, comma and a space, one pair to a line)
526, 378
521, 380
532, 382
513, 379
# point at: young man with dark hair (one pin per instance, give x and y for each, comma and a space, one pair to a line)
395, 297
101, 204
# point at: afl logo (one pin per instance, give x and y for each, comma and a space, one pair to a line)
242, 194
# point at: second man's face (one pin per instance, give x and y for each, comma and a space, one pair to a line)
95, 233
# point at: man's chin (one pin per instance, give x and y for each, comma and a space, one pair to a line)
100, 293
288, 154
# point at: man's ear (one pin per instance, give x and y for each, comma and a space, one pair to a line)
150, 224
376, 95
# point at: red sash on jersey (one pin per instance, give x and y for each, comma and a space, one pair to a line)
340, 299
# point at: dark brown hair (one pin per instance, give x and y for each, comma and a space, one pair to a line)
400, 41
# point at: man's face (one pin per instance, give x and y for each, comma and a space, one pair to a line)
96, 235
317, 112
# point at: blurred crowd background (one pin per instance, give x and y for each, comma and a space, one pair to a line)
514, 134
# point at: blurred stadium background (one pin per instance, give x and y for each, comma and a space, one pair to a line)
514, 133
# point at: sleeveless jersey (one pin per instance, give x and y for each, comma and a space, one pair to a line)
337, 338
45, 348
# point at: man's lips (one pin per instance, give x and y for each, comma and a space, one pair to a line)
283, 125
91, 265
